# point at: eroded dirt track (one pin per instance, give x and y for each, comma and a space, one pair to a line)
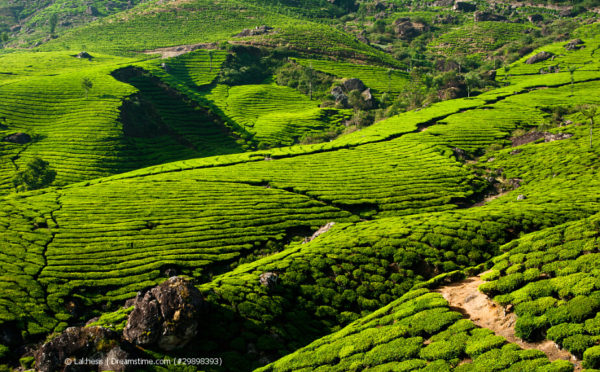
465, 298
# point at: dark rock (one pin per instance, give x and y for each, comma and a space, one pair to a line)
85, 55
527, 138
464, 6
541, 56
339, 96
515, 183
535, 18
574, 44
269, 279
258, 30
566, 13
487, 16
353, 84
406, 29
166, 315
459, 153
445, 19
521, 197
20, 138
75, 342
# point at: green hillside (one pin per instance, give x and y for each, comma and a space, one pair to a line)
322, 173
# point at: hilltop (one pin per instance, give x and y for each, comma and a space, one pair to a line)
294, 185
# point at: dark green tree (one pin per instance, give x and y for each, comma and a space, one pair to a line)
36, 175
86, 85
53, 21
4, 38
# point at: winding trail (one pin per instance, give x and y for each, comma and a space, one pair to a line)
465, 298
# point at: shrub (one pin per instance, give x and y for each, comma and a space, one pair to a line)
478, 346
591, 357
530, 328
36, 175
577, 344
557, 366
561, 331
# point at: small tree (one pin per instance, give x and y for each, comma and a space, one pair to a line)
86, 85
572, 70
4, 39
589, 111
472, 80
53, 22
37, 174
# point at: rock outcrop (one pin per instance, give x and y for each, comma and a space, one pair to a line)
574, 44
84, 55
407, 29
464, 6
269, 279
258, 30
79, 342
353, 84
487, 16
541, 56
167, 315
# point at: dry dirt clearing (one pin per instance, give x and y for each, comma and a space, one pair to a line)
465, 298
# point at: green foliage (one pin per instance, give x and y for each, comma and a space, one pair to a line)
36, 175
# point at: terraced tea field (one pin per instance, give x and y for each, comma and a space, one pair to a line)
321, 256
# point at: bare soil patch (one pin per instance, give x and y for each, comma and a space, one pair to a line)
465, 298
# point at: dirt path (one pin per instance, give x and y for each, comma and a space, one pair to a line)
465, 298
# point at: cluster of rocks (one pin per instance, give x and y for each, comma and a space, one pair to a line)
340, 92
574, 44
84, 55
258, 30
534, 136
167, 316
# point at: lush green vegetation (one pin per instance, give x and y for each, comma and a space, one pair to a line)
120, 168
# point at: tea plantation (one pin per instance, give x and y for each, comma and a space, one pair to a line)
227, 143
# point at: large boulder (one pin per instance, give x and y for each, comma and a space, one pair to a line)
406, 29
574, 44
63, 351
464, 6
367, 97
269, 279
258, 30
487, 16
20, 138
167, 315
353, 84
541, 56
535, 18
84, 55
